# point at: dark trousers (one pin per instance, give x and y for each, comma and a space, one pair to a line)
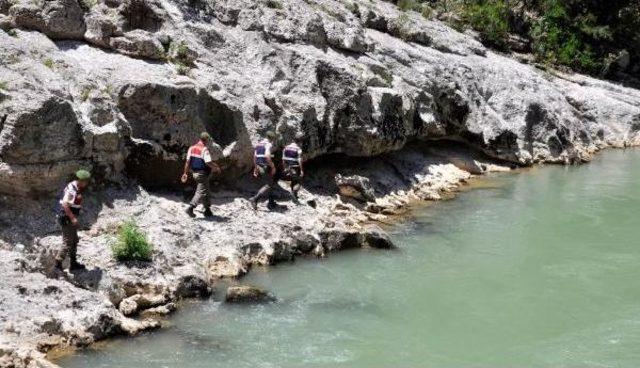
203, 190
292, 174
69, 241
266, 191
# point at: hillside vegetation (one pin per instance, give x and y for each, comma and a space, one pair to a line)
600, 38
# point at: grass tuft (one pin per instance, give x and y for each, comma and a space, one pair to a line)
48, 62
131, 244
274, 4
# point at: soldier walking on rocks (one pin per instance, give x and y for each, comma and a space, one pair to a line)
264, 170
292, 164
201, 165
67, 212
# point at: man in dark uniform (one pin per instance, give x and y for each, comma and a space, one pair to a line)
264, 170
201, 164
292, 164
67, 214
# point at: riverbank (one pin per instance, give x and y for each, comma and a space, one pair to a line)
536, 269
124, 87
190, 256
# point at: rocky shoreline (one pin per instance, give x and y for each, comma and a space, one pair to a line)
192, 255
394, 108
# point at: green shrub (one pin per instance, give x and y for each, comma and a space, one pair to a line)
403, 26
410, 5
426, 11
352, 7
48, 62
490, 19
182, 69
3, 85
85, 93
88, 4
12, 32
561, 38
182, 51
274, 4
131, 244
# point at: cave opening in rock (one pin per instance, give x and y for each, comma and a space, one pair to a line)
138, 14
165, 121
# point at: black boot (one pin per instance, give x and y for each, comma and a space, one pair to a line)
207, 212
76, 266
57, 270
272, 204
189, 212
254, 203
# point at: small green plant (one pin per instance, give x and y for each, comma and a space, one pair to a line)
387, 77
352, 7
85, 93
108, 89
274, 4
182, 69
3, 85
403, 25
12, 32
426, 11
182, 51
48, 62
131, 244
410, 5
88, 4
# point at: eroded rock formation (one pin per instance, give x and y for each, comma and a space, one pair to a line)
110, 84
123, 87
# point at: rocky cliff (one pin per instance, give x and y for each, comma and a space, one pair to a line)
123, 87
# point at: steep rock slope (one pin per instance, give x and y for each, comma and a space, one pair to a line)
112, 84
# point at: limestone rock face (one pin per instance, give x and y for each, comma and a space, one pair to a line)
58, 19
359, 79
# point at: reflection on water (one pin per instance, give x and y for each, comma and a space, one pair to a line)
539, 270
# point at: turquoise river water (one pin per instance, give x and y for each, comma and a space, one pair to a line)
537, 269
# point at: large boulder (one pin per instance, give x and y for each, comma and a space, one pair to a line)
355, 186
58, 19
247, 294
41, 145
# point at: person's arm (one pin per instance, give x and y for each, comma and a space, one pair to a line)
209, 161
67, 199
300, 163
255, 166
185, 172
69, 213
270, 163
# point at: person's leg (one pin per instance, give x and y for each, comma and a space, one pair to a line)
206, 197
198, 195
73, 248
296, 183
67, 243
295, 188
269, 192
206, 192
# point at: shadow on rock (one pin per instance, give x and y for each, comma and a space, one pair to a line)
215, 218
86, 279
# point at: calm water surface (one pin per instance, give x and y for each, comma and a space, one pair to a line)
540, 270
